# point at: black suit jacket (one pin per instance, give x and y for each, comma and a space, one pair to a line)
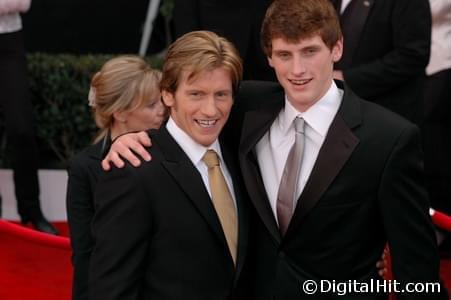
391, 54
366, 189
157, 235
84, 172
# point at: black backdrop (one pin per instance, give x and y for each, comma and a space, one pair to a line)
89, 26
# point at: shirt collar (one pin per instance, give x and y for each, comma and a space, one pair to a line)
192, 149
319, 116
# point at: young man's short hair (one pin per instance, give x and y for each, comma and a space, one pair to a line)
294, 20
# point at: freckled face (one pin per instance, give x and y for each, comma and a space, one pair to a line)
201, 106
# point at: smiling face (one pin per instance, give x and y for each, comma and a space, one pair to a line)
200, 106
304, 68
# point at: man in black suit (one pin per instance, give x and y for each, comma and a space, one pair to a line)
332, 177
386, 51
176, 228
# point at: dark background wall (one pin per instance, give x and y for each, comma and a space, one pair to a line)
89, 26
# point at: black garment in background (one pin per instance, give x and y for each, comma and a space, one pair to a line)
84, 172
437, 141
351, 20
237, 20
90, 26
16, 111
390, 53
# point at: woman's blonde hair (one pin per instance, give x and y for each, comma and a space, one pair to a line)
124, 83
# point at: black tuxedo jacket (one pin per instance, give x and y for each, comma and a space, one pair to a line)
391, 52
157, 235
366, 189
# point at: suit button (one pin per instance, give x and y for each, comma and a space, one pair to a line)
281, 254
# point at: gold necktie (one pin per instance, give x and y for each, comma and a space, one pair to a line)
222, 201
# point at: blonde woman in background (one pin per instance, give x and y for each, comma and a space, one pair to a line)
125, 97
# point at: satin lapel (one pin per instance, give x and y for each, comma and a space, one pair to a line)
255, 125
242, 207
337, 148
190, 181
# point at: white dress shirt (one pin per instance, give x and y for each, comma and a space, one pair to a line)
196, 152
344, 4
272, 150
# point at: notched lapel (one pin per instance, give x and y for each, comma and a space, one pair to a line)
190, 181
336, 150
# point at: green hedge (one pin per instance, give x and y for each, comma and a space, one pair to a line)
59, 85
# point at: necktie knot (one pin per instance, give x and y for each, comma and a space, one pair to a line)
211, 158
299, 125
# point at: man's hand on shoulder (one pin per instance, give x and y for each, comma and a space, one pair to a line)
128, 147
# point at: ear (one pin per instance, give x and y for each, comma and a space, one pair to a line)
168, 98
270, 61
337, 50
121, 116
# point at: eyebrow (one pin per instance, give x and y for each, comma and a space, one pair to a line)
311, 47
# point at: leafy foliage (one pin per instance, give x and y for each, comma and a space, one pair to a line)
59, 85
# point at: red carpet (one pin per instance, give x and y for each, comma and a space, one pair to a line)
31, 270
37, 266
